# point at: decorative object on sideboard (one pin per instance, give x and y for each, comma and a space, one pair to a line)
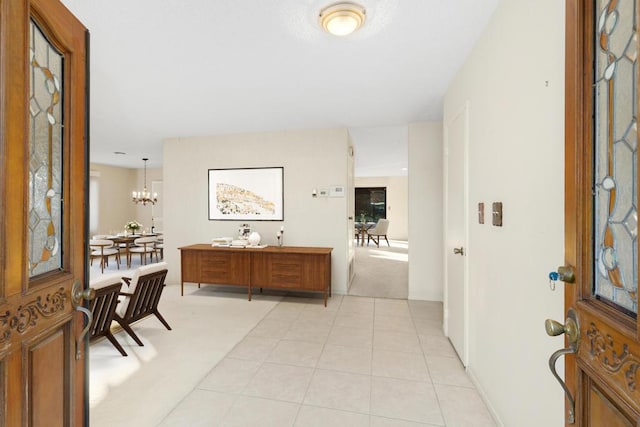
144, 196
244, 231
224, 242
254, 238
280, 236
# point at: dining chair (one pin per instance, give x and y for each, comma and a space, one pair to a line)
378, 231
159, 247
103, 249
143, 246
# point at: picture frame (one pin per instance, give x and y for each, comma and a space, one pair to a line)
246, 194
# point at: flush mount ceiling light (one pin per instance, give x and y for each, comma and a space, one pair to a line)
341, 19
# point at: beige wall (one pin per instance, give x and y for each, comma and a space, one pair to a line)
397, 202
311, 159
514, 83
425, 211
115, 207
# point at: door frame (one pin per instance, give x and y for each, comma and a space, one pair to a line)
461, 111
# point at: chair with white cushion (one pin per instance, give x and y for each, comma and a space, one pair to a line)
103, 249
144, 246
103, 307
141, 292
159, 247
379, 231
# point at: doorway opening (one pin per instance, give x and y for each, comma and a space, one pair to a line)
381, 247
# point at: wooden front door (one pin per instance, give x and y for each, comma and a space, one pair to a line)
601, 211
42, 213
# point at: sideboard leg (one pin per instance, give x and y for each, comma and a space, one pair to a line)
181, 289
249, 292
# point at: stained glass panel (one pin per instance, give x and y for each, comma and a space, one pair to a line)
45, 154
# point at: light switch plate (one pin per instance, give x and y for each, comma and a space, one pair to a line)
336, 191
496, 211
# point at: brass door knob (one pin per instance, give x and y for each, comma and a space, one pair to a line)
78, 294
570, 328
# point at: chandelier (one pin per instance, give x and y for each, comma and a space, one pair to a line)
144, 196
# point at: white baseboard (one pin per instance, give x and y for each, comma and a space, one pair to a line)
484, 397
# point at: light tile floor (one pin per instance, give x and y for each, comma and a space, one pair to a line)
283, 361
359, 362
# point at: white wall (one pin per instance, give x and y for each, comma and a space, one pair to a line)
397, 202
425, 211
514, 82
380, 151
311, 159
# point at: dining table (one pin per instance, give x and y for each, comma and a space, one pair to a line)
127, 241
361, 230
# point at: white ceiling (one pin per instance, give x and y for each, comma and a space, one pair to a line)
178, 68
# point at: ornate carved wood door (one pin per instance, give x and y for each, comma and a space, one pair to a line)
42, 213
601, 211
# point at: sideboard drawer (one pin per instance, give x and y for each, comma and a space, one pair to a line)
290, 271
225, 268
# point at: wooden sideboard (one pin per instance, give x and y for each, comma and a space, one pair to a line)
277, 267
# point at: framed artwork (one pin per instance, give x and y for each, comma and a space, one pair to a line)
254, 194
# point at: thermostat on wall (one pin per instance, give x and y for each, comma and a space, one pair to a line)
336, 191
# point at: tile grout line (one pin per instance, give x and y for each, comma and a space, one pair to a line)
424, 358
236, 396
315, 368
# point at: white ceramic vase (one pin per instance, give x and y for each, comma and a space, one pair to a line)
254, 238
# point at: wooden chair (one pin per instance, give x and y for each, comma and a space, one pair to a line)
103, 308
144, 246
380, 230
103, 249
141, 294
159, 246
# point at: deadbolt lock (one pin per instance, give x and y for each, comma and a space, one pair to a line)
566, 274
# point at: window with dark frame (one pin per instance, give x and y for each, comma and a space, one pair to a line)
371, 204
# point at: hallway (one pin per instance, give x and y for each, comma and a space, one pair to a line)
382, 272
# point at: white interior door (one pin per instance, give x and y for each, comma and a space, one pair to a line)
456, 214
350, 215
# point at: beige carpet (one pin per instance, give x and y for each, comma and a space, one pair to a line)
382, 272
